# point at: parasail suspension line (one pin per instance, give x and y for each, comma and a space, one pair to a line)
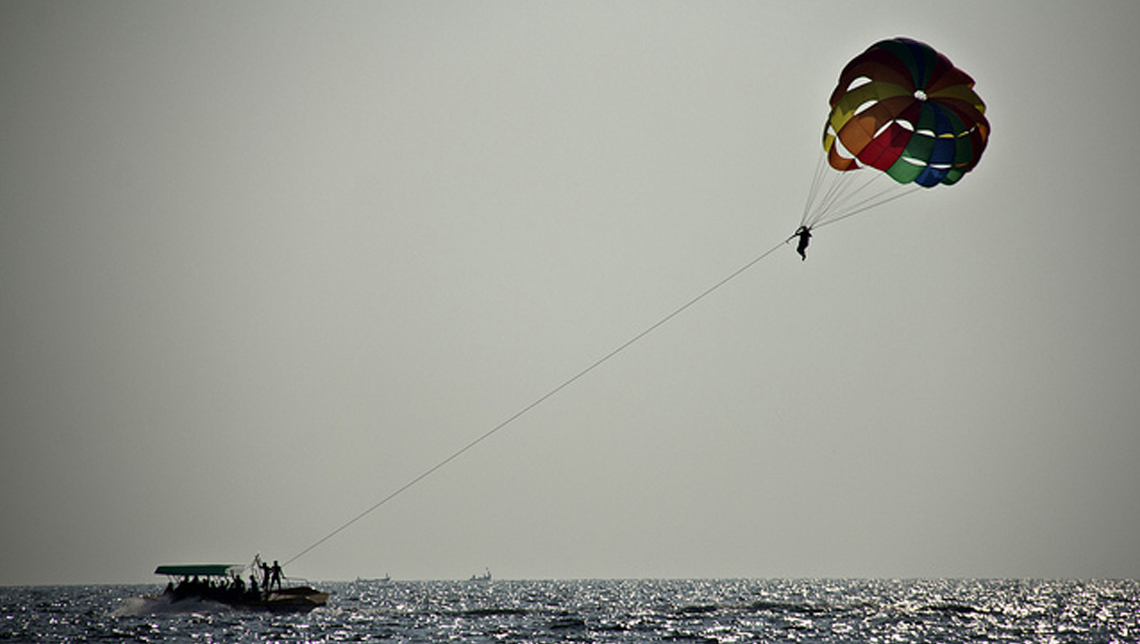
869, 203
835, 195
538, 401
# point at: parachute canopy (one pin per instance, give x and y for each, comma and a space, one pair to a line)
903, 108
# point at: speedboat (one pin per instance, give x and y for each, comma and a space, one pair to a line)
223, 584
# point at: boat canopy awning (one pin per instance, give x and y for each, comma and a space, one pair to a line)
200, 570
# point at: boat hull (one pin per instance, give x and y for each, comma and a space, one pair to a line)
298, 599
291, 600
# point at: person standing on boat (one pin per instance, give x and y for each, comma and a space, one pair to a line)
275, 571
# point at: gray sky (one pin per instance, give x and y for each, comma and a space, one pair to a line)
262, 263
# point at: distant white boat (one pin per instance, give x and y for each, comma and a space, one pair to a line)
378, 580
486, 576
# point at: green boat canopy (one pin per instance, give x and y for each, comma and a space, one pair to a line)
200, 570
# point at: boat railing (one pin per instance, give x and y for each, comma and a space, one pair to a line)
290, 582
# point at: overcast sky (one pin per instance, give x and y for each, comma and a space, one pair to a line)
263, 263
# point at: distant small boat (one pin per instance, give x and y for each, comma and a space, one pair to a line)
486, 576
378, 580
223, 584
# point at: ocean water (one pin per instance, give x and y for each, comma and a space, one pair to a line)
606, 611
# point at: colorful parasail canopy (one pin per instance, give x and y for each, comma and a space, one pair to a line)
903, 108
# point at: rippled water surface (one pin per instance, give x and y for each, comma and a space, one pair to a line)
606, 611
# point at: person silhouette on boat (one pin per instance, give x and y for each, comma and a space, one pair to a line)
275, 575
804, 233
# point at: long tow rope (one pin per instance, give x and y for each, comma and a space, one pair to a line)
597, 363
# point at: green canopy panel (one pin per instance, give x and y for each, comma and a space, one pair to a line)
200, 570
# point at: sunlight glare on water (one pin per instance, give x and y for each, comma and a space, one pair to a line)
607, 611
